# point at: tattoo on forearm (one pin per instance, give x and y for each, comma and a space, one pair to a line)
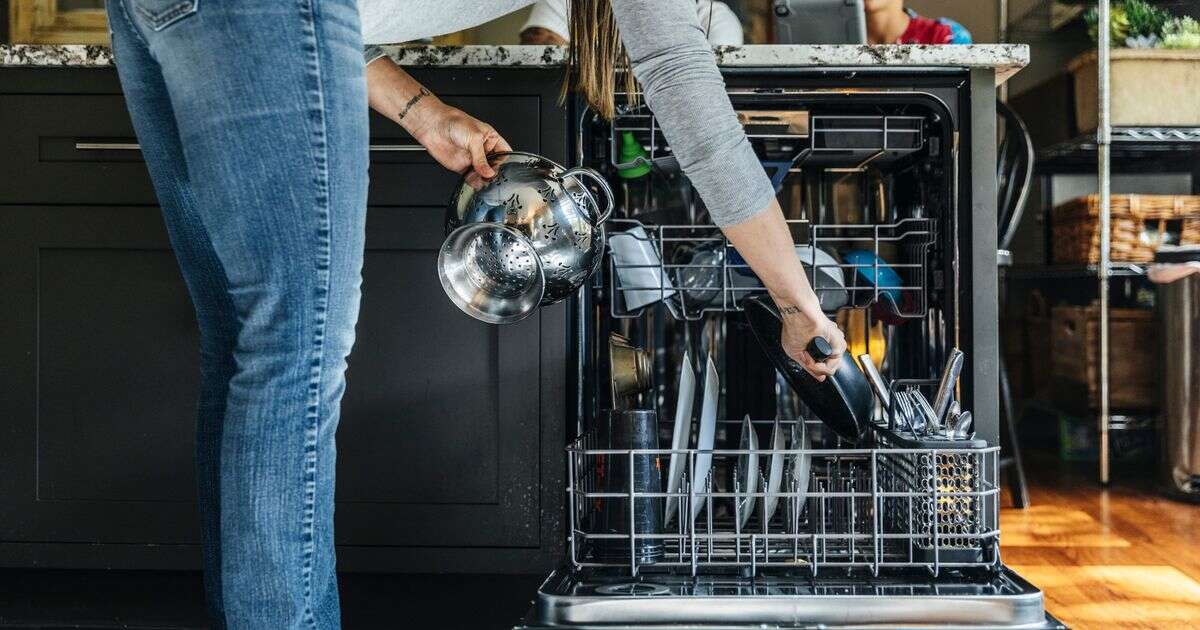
412, 101
790, 310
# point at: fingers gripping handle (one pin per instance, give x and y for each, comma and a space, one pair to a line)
581, 172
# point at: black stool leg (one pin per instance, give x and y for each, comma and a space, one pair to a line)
1018, 487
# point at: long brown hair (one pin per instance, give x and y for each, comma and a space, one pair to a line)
595, 55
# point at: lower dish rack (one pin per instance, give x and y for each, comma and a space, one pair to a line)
899, 533
894, 504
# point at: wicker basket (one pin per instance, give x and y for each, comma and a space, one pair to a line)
1140, 225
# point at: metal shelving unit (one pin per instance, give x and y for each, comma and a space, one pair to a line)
1133, 149
1109, 149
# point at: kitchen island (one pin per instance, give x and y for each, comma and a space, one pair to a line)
452, 431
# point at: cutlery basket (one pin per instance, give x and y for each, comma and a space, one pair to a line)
890, 505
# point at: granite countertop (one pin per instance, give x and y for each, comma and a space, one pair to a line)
1006, 59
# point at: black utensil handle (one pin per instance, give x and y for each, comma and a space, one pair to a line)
819, 349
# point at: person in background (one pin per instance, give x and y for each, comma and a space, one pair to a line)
547, 24
888, 22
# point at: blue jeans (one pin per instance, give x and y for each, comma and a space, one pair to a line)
252, 116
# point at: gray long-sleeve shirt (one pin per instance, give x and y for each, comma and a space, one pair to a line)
672, 61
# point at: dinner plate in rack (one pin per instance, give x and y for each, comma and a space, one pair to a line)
680, 435
800, 471
747, 473
774, 469
706, 437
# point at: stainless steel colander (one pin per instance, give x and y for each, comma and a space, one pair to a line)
529, 237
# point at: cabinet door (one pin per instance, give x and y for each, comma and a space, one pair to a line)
99, 359
440, 444
440, 431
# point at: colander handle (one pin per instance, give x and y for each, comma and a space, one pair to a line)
604, 187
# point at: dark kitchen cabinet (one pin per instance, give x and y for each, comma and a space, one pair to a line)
451, 432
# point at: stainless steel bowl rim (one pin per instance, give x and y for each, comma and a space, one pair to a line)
573, 173
471, 309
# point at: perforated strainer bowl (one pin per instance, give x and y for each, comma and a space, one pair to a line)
491, 272
529, 237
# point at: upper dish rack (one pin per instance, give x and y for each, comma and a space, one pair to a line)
694, 270
781, 135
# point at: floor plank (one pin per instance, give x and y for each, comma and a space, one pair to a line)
1118, 596
1052, 526
1116, 557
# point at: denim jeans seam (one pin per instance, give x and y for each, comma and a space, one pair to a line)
129, 20
321, 180
159, 21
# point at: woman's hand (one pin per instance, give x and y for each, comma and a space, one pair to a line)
455, 139
799, 328
459, 141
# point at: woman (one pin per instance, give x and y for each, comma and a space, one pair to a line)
252, 116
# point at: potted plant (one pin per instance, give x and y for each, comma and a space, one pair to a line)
1155, 69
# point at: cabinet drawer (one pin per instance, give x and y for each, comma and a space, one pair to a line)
81, 149
70, 149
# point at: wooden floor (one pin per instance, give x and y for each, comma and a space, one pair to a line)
1124, 557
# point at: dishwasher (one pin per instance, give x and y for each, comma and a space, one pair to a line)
898, 529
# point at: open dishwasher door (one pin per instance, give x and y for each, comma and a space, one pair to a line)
894, 532
594, 601
899, 530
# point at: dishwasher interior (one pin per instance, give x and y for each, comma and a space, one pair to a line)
791, 526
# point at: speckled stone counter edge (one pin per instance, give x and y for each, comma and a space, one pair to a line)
1006, 59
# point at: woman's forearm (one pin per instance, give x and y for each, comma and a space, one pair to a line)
397, 95
765, 241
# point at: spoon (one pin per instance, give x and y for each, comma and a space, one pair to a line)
962, 430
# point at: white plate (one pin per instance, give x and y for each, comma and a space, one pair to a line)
680, 435
706, 437
775, 470
748, 473
801, 469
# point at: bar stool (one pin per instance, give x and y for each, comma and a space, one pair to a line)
1014, 173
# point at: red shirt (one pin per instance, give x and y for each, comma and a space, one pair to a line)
927, 30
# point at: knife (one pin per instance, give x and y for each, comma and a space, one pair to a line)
875, 379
